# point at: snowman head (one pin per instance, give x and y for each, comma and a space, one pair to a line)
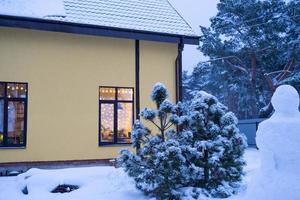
285, 100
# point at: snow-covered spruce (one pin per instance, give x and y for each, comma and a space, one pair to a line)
214, 146
204, 151
159, 166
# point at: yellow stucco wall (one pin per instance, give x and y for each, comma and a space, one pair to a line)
64, 72
157, 65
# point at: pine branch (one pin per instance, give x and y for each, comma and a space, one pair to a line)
216, 59
237, 67
276, 72
270, 82
162, 128
169, 126
287, 70
241, 67
155, 124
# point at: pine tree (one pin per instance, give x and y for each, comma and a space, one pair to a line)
252, 46
157, 167
204, 151
213, 145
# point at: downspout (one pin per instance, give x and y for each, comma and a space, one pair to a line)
137, 85
137, 79
178, 71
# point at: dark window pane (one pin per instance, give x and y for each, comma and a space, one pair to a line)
125, 94
107, 93
16, 90
124, 122
107, 122
1, 121
15, 126
2, 89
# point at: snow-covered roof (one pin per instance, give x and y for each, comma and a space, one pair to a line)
32, 8
142, 15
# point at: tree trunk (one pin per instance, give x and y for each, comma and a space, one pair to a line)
206, 168
253, 82
162, 129
138, 149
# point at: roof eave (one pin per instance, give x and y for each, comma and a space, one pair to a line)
89, 29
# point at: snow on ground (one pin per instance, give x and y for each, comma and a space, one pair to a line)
32, 8
252, 156
96, 183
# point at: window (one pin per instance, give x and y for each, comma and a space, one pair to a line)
13, 112
116, 115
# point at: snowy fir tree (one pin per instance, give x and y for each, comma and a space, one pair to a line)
157, 167
196, 145
252, 47
212, 145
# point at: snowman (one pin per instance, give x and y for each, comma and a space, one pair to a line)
278, 140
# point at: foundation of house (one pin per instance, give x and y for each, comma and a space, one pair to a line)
13, 169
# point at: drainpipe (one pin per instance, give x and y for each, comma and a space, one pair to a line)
137, 85
178, 70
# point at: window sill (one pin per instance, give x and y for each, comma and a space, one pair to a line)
12, 148
114, 145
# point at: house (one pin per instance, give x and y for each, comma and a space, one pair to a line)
73, 82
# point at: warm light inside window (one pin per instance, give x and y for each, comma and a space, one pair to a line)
16, 90
13, 109
125, 94
107, 122
107, 93
116, 114
15, 126
1, 121
1, 138
124, 122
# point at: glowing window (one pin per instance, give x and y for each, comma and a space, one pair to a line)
115, 114
107, 93
13, 117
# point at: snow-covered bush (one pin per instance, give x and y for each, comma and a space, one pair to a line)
214, 146
158, 166
196, 146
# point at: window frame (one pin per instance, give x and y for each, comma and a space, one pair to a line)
6, 100
115, 104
